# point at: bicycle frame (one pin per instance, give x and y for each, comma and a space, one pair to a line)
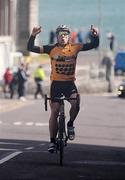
62, 138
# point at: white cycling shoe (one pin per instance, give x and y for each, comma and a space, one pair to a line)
52, 147
71, 132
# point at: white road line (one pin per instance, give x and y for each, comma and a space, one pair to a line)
29, 123
11, 143
17, 123
6, 149
5, 159
109, 163
41, 124
35, 151
29, 148
42, 144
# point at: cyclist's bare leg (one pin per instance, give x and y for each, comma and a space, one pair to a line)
55, 106
74, 110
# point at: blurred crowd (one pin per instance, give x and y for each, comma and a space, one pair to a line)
82, 36
77, 35
15, 81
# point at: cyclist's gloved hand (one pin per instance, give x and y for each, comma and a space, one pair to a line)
94, 31
36, 30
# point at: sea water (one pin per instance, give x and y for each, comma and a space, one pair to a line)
108, 15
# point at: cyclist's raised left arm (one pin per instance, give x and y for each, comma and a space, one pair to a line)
94, 43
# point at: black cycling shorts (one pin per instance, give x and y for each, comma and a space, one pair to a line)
62, 88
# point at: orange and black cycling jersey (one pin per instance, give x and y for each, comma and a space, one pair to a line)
63, 59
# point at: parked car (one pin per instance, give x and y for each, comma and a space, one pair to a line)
119, 66
121, 90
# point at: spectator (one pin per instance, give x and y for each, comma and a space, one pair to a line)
107, 61
73, 36
8, 76
22, 78
39, 76
13, 85
80, 36
111, 38
28, 73
52, 37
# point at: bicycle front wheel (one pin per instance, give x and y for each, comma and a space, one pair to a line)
61, 151
61, 130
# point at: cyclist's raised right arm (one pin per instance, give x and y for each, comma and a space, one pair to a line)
30, 45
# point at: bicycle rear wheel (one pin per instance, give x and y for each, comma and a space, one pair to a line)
61, 130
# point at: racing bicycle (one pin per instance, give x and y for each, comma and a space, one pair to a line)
62, 137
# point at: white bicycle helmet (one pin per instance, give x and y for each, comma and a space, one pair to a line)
62, 28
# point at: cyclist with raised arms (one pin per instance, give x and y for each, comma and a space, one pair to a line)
63, 57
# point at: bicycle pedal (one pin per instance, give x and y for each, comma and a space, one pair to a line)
51, 151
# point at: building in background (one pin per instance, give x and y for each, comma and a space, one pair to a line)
17, 17
27, 16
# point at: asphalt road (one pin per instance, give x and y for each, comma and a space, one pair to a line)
98, 152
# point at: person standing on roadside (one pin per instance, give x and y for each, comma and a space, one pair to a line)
80, 36
13, 85
52, 37
39, 77
8, 77
22, 78
108, 62
111, 38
